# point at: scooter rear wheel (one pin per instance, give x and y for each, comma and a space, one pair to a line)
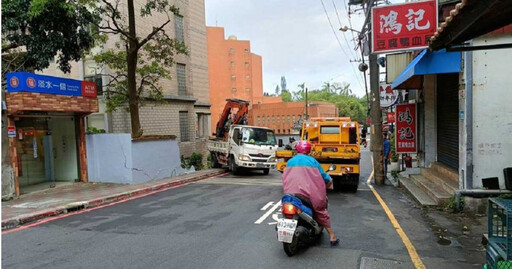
291, 248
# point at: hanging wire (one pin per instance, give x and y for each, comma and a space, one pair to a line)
339, 43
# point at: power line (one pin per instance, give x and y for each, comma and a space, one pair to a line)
341, 25
339, 43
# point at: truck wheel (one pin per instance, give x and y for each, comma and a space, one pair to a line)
233, 166
266, 171
215, 161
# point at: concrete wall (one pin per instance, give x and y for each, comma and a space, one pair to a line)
109, 158
155, 159
115, 158
492, 110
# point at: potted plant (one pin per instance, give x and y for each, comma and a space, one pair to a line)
394, 157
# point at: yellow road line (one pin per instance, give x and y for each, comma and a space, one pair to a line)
416, 260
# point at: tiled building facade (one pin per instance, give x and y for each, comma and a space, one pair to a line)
282, 116
234, 71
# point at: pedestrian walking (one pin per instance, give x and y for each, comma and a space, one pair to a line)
386, 149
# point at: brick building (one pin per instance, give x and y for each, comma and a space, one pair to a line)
281, 116
185, 108
234, 71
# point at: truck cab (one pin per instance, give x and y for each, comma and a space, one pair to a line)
247, 147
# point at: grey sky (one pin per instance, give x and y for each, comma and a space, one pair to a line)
294, 39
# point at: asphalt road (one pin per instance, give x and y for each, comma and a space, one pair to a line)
211, 224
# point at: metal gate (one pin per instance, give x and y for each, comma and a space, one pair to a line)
447, 119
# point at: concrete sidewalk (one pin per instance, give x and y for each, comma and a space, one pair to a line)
78, 196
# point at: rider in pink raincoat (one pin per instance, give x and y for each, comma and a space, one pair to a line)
304, 176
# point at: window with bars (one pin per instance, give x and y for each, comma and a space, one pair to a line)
182, 79
184, 133
178, 28
99, 82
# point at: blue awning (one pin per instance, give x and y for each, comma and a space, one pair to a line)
426, 63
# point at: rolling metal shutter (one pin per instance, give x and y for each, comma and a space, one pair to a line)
447, 119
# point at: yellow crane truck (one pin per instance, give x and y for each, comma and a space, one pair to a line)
335, 145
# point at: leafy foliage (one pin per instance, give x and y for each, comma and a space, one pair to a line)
286, 96
196, 160
34, 32
349, 105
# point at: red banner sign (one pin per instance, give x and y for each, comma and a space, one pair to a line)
390, 117
405, 132
403, 26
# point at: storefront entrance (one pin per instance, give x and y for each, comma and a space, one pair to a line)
47, 151
448, 119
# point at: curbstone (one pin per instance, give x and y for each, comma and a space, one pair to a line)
11, 223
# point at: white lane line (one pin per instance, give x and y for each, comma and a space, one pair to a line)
267, 205
262, 218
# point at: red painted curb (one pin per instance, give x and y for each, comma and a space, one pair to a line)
24, 219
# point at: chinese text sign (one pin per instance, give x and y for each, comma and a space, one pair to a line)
28, 82
403, 26
406, 136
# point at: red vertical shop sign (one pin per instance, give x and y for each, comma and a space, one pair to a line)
406, 136
403, 26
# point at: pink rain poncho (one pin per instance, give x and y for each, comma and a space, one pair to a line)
304, 175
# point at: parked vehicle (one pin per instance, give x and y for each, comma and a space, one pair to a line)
335, 143
237, 146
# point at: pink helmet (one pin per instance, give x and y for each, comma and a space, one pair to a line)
303, 147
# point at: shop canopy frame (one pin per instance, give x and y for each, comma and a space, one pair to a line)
427, 63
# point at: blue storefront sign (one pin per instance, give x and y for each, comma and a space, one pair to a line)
28, 82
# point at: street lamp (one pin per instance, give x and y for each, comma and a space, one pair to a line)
345, 28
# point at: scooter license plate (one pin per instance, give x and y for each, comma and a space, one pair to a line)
285, 230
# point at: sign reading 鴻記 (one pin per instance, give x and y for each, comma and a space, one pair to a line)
403, 26
28, 82
388, 96
406, 137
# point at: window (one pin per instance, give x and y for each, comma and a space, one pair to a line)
232, 63
184, 134
231, 50
233, 77
236, 136
247, 76
182, 79
247, 89
330, 130
202, 125
233, 90
246, 64
99, 82
178, 28
258, 120
246, 50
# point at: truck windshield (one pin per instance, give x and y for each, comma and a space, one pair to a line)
258, 136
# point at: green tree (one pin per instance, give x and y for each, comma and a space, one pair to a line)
37, 32
286, 96
341, 95
137, 62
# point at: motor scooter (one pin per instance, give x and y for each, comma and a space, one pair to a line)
297, 228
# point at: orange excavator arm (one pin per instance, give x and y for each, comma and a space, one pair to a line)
227, 119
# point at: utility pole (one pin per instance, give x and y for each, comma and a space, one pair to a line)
375, 112
307, 112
